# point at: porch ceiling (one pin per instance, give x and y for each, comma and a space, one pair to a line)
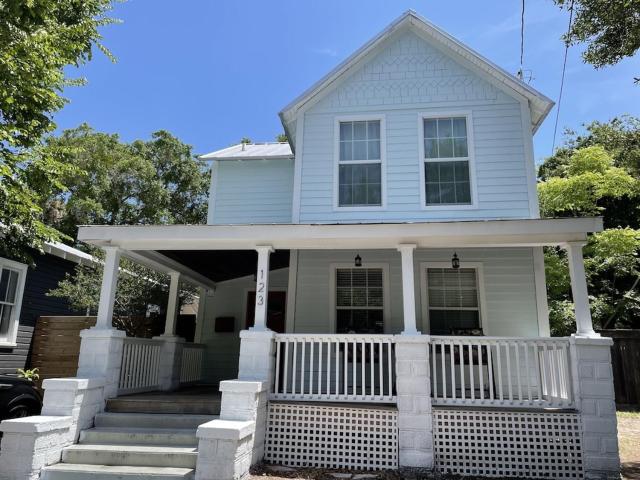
487, 233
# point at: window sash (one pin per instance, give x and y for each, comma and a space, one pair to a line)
11, 289
454, 137
452, 289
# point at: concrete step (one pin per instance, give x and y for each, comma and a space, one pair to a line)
205, 406
68, 471
139, 436
151, 420
131, 455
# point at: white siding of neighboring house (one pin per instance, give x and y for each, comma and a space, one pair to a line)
408, 77
230, 299
251, 191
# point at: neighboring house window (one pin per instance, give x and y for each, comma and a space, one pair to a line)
359, 300
360, 163
453, 300
12, 277
446, 161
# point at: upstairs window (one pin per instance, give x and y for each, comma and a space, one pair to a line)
360, 164
446, 161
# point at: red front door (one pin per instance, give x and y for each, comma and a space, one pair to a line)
276, 309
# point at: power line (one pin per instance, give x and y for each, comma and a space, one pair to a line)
564, 68
521, 71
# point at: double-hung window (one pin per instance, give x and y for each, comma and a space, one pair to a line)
446, 162
360, 153
359, 300
12, 277
453, 299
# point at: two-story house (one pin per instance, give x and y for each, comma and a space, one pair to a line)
376, 286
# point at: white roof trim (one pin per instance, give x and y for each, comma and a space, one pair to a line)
69, 253
251, 151
488, 233
540, 104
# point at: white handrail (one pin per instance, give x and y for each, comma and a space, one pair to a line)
334, 367
140, 366
501, 371
191, 366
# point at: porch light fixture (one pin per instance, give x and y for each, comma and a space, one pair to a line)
455, 261
357, 261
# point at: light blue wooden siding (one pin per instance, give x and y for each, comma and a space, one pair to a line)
510, 307
407, 78
252, 191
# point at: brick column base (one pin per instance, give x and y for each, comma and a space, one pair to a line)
170, 362
101, 357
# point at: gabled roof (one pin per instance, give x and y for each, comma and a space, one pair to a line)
251, 151
539, 104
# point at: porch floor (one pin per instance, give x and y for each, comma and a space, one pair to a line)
199, 400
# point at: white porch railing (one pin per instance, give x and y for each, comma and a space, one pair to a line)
191, 366
492, 371
347, 368
140, 366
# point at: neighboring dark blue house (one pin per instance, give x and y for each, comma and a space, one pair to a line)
23, 299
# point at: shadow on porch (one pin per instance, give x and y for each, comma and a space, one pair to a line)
194, 400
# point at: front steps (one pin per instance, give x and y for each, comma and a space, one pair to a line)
133, 446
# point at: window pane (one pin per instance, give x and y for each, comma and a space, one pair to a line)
4, 284
345, 150
359, 130
360, 194
431, 171
445, 128
5, 319
373, 173
359, 321
346, 130
463, 193
445, 322
430, 128
446, 171
430, 148
460, 127
374, 195
360, 150
447, 192
460, 147
346, 195
445, 148
433, 193
359, 173
345, 174
461, 171
359, 184
373, 150
373, 130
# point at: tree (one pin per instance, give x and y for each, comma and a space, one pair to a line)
610, 28
141, 293
282, 138
597, 173
147, 182
38, 39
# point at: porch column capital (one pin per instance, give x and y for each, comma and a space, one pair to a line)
584, 323
264, 249
402, 247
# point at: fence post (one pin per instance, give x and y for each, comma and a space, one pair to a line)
595, 394
413, 387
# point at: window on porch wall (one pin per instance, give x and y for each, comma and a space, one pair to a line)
453, 300
359, 300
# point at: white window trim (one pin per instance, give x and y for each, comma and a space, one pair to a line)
386, 297
382, 161
471, 159
424, 291
12, 335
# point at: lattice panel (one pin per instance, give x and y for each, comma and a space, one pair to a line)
507, 444
307, 435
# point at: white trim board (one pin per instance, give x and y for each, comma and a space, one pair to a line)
12, 333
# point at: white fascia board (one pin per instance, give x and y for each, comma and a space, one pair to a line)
253, 158
488, 233
69, 253
161, 263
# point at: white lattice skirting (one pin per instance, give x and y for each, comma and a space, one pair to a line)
327, 436
507, 444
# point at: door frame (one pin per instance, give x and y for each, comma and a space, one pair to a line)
245, 303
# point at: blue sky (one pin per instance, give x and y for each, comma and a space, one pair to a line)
212, 72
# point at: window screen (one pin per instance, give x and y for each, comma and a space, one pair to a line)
359, 300
360, 164
452, 299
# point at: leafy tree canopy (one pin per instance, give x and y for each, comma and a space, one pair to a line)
158, 181
610, 28
38, 39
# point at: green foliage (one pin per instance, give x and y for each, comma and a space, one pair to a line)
147, 182
30, 374
610, 28
282, 137
245, 140
589, 176
597, 173
139, 291
38, 39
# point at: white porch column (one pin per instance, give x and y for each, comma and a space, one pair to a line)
408, 289
172, 305
262, 287
579, 289
109, 285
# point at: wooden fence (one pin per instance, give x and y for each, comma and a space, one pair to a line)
625, 358
55, 346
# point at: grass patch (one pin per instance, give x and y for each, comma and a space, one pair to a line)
628, 414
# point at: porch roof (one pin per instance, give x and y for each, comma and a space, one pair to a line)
486, 233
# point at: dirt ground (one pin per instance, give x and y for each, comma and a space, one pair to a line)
628, 438
629, 441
